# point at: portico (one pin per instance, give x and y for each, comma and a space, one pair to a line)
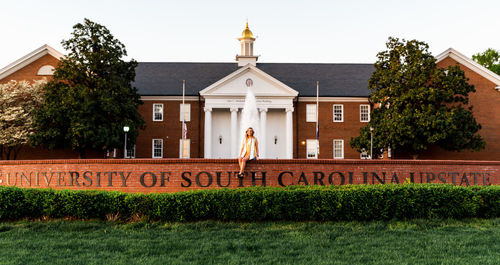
224, 101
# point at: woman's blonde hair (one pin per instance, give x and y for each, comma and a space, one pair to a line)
246, 132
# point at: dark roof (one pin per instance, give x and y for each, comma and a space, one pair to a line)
339, 80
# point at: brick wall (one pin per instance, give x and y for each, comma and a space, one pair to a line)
29, 72
329, 130
173, 175
170, 129
485, 102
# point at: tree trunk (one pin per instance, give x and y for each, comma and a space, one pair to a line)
82, 154
2, 152
9, 150
17, 149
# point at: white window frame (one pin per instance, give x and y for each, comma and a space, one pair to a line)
187, 109
153, 149
162, 111
361, 112
364, 154
308, 147
130, 156
188, 143
108, 153
341, 141
341, 112
311, 117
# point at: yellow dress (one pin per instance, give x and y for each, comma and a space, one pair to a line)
249, 147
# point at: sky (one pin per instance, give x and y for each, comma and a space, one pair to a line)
309, 31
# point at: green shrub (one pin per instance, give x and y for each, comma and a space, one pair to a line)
300, 203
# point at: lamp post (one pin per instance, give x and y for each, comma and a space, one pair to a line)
125, 129
371, 142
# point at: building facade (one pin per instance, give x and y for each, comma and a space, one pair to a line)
286, 103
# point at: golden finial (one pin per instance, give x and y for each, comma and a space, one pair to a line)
247, 33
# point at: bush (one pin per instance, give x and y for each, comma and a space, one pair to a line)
300, 203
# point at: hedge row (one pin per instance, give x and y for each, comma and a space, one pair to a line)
372, 202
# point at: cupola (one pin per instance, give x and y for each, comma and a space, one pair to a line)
246, 40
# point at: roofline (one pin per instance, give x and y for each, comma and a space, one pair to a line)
29, 58
235, 63
471, 64
247, 67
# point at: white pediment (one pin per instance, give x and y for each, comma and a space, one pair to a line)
29, 58
471, 64
234, 85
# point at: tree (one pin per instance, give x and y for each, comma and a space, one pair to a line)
418, 104
18, 100
90, 97
489, 59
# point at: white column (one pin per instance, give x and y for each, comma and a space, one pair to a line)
263, 132
208, 132
289, 132
234, 131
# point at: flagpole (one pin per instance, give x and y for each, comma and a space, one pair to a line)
182, 110
317, 115
183, 121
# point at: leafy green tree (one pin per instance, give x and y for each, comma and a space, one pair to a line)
418, 104
489, 59
90, 97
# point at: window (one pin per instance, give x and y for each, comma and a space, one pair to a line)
364, 154
184, 148
157, 112
130, 152
108, 154
46, 70
186, 111
311, 113
157, 148
338, 149
364, 113
312, 148
338, 113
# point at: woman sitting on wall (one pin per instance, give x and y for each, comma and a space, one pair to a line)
249, 150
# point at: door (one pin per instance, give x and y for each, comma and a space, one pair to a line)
221, 133
275, 130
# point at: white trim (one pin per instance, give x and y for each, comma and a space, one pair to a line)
469, 63
342, 112
126, 153
162, 111
365, 153
369, 110
153, 148
314, 118
207, 91
188, 146
188, 108
29, 58
169, 98
46, 70
315, 143
334, 99
339, 157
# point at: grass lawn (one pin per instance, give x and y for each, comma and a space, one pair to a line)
472, 241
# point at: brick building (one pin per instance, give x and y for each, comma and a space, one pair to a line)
286, 101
